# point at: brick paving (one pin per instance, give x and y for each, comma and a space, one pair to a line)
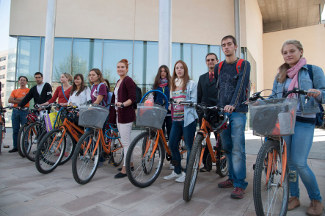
24, 191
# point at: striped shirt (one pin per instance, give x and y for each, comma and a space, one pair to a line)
178, 110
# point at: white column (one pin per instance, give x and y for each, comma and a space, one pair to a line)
49, 40
164, 43
237, 26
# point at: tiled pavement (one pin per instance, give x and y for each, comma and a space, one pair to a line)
24, 191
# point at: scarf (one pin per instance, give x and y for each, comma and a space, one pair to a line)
292, 73
178, 82
163, 82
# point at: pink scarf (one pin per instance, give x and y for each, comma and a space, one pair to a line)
293, 74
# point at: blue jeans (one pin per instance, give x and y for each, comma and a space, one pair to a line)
233, 142
18, 119
298, 148
176, 133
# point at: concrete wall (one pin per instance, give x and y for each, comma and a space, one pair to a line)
193, 21
312, 39
254, 37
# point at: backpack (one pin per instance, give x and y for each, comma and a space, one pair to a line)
320, 115
109, 96
138, 94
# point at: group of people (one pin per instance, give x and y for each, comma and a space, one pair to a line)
226, 84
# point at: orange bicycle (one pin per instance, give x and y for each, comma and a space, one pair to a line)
272, 119
89, 148
57, 146
146, 153
215, 121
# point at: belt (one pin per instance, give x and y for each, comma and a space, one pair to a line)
25, 108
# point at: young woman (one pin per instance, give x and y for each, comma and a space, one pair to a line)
295, 73
184, 117
99, 91
65, 87
124, 114
80, 93
162, 83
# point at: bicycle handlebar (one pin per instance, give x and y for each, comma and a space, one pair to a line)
257, 95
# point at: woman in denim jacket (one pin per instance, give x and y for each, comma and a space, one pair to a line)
295, 73
183, 117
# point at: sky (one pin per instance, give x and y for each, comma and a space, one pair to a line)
4, 30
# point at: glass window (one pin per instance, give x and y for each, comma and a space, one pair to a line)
215, 49
61, 57
28, 56
138, 64
176, 53
114, 51
199, 65
152, 62
186, 56
87, 54
42, 53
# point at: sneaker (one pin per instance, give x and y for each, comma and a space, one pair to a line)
13, 150
172, 176
293, 203
171, 167
316, 208
226, 184
181, 179
237, 193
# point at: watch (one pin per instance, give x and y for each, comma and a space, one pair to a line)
122, 105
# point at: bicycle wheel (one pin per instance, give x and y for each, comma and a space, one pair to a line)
21, 132
183, 152
222, 165
146, 157
69, 148
50, 151
116, 151
271, 195
85, 158
30, 140
192, 169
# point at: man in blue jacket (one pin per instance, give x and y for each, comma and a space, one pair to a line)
233, 89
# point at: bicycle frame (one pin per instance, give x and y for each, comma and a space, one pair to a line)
160, 133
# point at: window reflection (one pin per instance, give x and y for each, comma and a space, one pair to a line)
198, 58
61, 58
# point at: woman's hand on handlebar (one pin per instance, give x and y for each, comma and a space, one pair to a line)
229, 108
313, 93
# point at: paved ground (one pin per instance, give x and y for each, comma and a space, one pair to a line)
24, 191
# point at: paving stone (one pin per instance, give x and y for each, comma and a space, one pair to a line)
192, 208
100, 210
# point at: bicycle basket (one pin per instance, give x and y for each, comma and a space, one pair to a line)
150, 116
92, 116
275, 117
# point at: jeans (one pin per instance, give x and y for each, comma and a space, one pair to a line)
298, 148
176, 133
18, 119
167, 125
233, 142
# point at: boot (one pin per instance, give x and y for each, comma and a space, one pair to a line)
316, 208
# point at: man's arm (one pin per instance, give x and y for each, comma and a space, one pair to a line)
27, 98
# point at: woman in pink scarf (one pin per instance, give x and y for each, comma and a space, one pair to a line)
295, 73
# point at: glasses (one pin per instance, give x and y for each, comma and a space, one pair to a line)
211, 60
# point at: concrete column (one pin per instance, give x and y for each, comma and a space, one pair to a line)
49, 40
164, 43
237, 26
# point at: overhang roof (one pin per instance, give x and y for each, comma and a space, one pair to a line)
287, 14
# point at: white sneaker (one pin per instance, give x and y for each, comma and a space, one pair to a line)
171, 167
172, 176
181, 179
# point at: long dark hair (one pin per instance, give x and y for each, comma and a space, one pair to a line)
186, 77
82, 85
157, 78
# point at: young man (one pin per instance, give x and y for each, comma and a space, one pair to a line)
233, 90
41, 93
207, 92
18, 116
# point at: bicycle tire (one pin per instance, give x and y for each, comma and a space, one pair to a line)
85, 157
222, 163
116, 151
30, 140
21, 132
192, 169
259, 186
50, 152
146, 169
69, 148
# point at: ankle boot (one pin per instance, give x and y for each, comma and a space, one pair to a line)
293, 203
316, 208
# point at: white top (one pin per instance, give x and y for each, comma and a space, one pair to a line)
115, 93
40, 88
81, 99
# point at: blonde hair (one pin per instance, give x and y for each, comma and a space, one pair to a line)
282, 75
68, 76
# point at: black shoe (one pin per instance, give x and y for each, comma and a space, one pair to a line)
120, 175
204, 169
120, 169
13, 150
